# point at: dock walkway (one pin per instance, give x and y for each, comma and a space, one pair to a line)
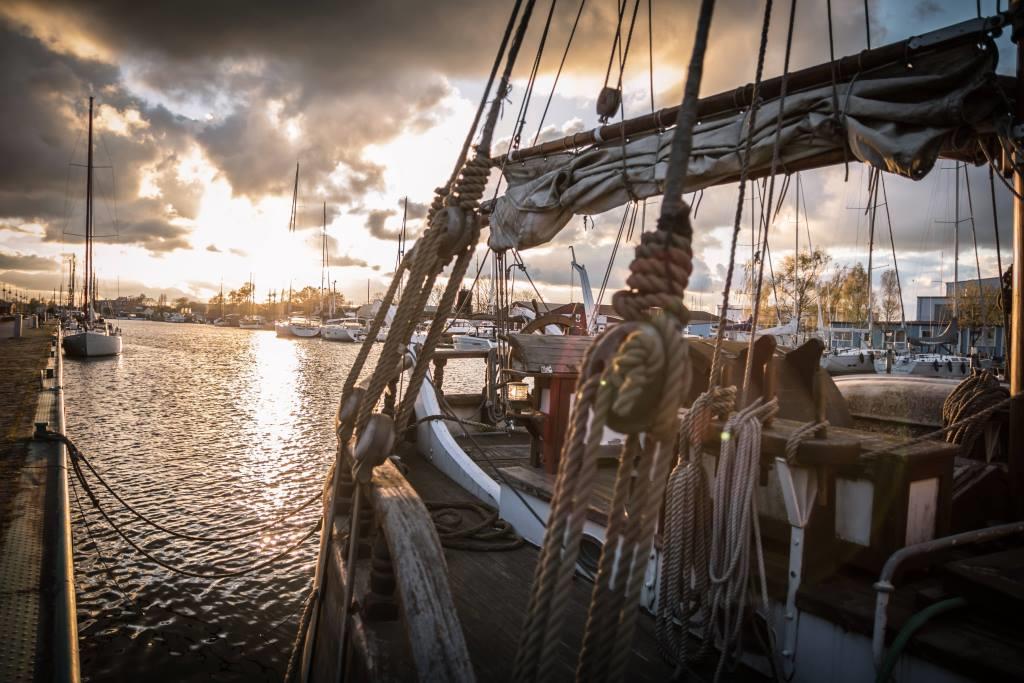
37, 596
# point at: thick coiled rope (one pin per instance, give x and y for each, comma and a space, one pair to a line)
973, 394
467, 525
684, 589
733, 524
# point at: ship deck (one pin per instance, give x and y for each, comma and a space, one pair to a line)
492, 590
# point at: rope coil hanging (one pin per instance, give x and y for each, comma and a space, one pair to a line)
629, 364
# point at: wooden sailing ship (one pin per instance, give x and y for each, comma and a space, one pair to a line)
685, 506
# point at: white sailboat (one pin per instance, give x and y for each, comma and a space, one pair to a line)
95, 337
343, 330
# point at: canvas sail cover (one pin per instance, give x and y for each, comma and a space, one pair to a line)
897, 119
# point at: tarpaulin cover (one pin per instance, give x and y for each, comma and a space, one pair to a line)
897, 119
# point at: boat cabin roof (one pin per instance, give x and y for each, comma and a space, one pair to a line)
545, 354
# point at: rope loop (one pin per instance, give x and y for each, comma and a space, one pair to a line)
799, 435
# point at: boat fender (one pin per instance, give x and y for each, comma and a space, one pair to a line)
860, 357
935, 365
963, 368
949, 365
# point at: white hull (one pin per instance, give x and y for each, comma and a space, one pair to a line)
341, 334
955, 368
92, 344
858, 363
469, 342
304, 330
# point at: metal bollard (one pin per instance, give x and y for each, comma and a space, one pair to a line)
18, 323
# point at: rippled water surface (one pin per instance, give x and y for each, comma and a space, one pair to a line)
206, 430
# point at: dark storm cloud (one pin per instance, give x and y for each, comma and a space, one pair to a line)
376, 224
317, 84
43, 132
346, 261
26, 262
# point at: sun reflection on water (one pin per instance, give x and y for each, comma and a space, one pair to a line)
270, 390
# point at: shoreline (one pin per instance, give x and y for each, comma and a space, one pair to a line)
37, 588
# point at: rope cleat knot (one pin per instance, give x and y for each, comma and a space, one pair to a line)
630, 358
373, 446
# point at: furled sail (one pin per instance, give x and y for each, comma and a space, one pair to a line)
948, 336
897, 118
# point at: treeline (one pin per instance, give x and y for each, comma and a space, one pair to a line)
800, 285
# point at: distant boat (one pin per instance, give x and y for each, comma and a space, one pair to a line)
95, 337
298, 326
252, 322
853, 361
344, 330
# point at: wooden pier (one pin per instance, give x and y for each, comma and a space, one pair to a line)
37, 592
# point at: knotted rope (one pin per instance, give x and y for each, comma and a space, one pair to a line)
973, 394
652, 355
686, 587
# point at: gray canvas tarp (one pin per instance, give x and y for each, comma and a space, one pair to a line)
898, 120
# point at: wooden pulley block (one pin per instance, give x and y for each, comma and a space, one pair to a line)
457, 227
347, 414
373, 447
602, 355
608, 102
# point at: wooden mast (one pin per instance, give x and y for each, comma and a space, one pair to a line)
1016, 348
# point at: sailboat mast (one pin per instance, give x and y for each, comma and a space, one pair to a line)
956, 245
873, 198
323, 259
87, 300
295, 200
796, 260
1016, 313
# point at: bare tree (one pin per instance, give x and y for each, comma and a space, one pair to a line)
889, 303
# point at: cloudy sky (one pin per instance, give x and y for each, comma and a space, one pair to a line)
204, 109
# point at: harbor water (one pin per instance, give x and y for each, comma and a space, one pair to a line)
207, 431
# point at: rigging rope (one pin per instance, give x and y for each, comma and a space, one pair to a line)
783, 87
558, 74
716, 355
652, 352
531, 81
895, 261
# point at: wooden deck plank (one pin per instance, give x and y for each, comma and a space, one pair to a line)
492, 590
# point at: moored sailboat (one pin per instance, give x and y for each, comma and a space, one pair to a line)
95, 337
